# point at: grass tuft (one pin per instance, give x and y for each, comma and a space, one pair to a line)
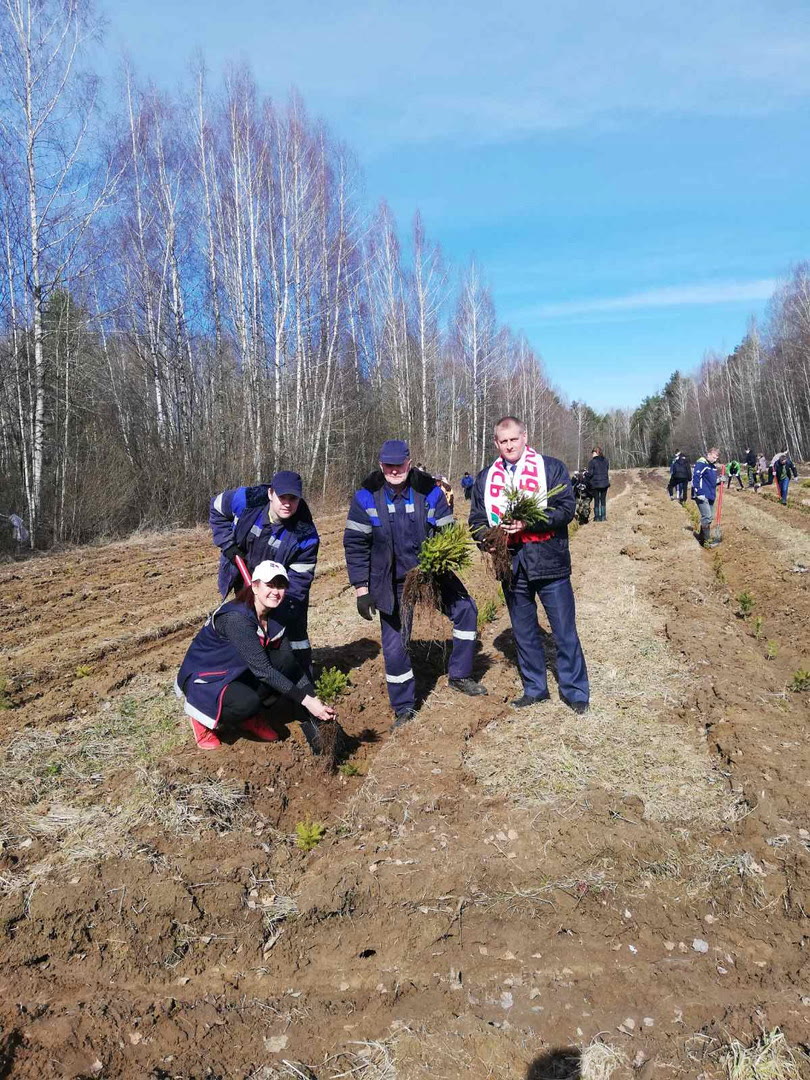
769, 1058
800, 681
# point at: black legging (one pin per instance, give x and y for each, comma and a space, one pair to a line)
248, 695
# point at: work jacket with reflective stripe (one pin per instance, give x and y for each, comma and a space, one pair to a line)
369, 539
241, 516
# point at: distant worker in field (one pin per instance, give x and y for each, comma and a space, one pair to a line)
762, 470
270, 521
447, 490
705, 479
240, 664
680, 473
467, 485
784, 469
390, 516
734, 473
541, 563
750, 461
599, 482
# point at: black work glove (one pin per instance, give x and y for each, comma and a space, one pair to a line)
231, 551
365, 606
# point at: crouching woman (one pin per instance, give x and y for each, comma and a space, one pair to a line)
241, 663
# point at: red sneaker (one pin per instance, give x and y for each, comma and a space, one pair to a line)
204, 737
260, 729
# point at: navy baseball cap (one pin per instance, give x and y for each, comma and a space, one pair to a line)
287, 483
394, 452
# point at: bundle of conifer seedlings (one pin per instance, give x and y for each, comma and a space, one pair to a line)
446, 552
520, 506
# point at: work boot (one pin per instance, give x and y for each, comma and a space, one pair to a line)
259, 728
468, 686
705, 535
203, 736
529, 699
577, 706
403, 717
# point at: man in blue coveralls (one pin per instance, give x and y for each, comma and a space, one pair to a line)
391, 514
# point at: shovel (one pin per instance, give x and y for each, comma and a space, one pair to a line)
717, 530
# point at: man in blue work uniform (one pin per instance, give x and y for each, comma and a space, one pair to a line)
541, 563
391, 515
467, 485
705, 479
270, 522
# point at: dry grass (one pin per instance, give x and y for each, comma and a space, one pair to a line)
600, 1061
50, 784
769, 1058
625, 745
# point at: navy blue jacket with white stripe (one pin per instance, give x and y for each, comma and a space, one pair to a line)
240, 517
212, 663
541, 559
369, 540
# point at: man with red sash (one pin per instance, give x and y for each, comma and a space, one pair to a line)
541, 563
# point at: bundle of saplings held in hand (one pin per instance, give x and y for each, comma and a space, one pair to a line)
446, 552
522, 506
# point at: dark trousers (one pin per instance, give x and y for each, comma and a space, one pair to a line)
736, 477
459, 607
247, 695
557, 598
600, 504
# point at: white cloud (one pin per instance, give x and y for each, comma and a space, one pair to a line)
713, 292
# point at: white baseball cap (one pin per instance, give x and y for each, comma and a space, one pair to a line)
268, 570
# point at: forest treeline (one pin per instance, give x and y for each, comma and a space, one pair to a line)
194, 293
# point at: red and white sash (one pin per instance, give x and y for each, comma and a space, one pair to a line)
529, 475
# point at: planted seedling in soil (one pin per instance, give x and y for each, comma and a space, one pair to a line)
331, 686
522, 506
800, 681
771, 650
487, 613
446, 552
758, 624
308, 834
746, 602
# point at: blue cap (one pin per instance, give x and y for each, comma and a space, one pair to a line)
394, 452
287, 483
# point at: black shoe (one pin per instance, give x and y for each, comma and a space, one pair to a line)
529, 699
577, 706
403, 717
468, 686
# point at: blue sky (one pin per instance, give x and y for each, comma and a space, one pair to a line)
632, 180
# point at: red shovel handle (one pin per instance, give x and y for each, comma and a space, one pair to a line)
243, 570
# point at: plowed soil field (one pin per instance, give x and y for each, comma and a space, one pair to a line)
497, 894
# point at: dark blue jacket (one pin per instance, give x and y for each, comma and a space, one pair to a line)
680, 469
541, 559
240, 517
704, 480
597, 473
369, 540
467, 481
212, 662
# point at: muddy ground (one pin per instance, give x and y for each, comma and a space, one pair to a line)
496, 893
